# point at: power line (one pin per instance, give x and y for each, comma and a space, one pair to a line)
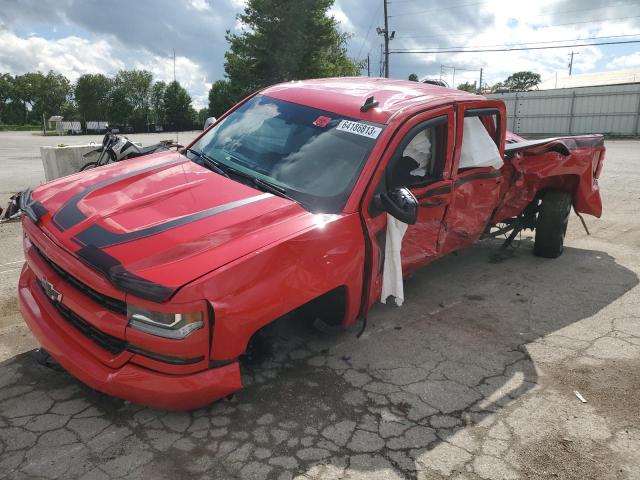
537, 43
515, 49
366, 37
540, 28
460, 5
450, 7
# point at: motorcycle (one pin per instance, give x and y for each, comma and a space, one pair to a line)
116, 148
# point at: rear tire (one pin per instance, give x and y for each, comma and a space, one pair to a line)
551, 225
89, 165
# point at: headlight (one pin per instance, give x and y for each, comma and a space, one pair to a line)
168, 325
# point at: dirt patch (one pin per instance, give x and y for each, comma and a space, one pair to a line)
9, 306
611, 388
611, 391
558, 457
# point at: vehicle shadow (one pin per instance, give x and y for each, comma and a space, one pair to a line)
400, 399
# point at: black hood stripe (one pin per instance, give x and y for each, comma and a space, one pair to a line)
34, 209
99, 237
70, 215
121, 278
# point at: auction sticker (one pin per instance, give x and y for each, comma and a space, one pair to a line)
358, 128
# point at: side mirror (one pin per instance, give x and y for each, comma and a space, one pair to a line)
401, 204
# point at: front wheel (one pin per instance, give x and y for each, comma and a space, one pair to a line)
551, 225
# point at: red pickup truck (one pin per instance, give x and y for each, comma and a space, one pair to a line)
147, 279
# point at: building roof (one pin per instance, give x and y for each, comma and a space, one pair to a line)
56, 118
592, 79
345, 95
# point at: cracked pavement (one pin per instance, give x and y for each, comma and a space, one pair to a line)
473, 378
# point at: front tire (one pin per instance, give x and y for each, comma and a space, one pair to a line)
551, 225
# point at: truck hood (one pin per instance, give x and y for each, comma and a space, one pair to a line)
153, 224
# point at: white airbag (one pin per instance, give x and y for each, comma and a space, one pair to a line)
478, 148
392, 270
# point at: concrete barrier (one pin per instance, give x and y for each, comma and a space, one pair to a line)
61, 161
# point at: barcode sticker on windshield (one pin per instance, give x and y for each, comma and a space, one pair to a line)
358, 128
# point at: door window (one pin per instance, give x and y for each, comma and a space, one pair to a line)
420, 158
479, 141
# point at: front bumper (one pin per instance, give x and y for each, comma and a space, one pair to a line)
128, 381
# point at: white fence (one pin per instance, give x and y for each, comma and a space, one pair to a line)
73, 127
610, 109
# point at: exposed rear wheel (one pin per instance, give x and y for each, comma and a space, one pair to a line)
551, 225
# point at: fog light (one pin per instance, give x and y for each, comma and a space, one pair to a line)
168, 325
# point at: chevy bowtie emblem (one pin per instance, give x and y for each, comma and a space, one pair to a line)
50, 291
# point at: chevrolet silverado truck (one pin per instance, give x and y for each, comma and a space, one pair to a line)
147, 279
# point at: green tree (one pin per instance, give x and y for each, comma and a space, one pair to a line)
91, 93
69, 110
157, 102
26, 88
521, 81
54, 92
203, 114
413, 77
467, 87
285, 40
178, 112
222, 97
129, 102
41, 95
6, 93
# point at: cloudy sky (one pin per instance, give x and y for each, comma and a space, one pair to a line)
88, 36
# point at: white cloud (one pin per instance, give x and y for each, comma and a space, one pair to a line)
72, 56
524, 24
199, 5
625, 61
190, 74
345, 24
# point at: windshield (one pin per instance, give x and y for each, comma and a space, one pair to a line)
312, 155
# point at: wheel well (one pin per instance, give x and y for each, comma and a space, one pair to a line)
330, 307
568, 183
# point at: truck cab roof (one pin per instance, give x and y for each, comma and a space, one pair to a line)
345, 95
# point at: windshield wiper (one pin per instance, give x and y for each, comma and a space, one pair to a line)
272, 188
255, 181
210, 162
263, 185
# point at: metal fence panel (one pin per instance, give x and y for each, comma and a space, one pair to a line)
609, 109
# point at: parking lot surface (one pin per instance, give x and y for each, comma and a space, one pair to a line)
474, 377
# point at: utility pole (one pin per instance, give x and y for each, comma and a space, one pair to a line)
443, 68
571, 60
480, 84
174, 81
387, 37
368, 65
386, 41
